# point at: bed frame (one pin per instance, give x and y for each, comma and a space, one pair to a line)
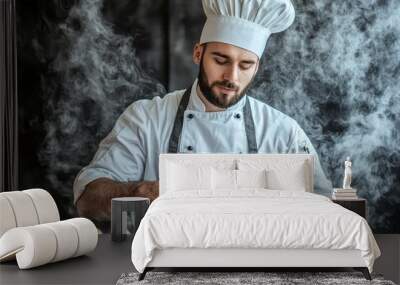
248, 259
260, 259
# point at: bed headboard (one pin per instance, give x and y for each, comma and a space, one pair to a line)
299, 167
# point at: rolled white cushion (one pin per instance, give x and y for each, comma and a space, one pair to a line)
7, 218
26, 208
45, 205
33, 246
87, 235
23, 208
66, 238
40, 244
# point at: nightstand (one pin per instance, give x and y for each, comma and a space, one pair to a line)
358, 206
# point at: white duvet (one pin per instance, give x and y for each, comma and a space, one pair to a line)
252, 218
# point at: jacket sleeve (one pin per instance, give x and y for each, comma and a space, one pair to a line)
302, 144
120, 155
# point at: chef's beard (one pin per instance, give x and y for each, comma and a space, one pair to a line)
221, 100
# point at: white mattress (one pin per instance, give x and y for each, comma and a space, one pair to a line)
250, 219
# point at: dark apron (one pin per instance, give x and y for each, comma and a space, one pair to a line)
178, 124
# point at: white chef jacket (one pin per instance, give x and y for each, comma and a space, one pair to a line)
130, 152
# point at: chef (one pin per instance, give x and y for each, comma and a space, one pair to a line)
213, 115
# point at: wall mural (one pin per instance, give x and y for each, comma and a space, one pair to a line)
335, 70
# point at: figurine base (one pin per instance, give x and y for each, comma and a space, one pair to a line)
344, 190
344, 193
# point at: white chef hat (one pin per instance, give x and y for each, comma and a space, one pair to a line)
245, 23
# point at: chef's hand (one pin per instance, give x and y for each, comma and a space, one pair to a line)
147, 189
95, 201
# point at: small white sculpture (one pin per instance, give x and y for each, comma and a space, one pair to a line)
347, 174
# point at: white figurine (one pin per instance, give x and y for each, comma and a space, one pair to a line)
347, 174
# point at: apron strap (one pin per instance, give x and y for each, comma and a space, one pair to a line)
249, 127
178, 125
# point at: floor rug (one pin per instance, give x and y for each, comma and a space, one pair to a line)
273, 278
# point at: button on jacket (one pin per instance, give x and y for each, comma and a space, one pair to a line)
130, 151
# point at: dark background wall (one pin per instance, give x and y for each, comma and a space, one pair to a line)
336, 71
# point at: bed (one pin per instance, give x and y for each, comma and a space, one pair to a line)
245, 211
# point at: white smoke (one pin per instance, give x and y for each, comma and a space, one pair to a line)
336, 70
100, 76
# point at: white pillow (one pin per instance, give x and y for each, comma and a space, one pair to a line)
293, 180
237, 179
282, 174
182, 177
251, 178
223, 179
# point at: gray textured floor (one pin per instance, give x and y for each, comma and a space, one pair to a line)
226, 278
106, 264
